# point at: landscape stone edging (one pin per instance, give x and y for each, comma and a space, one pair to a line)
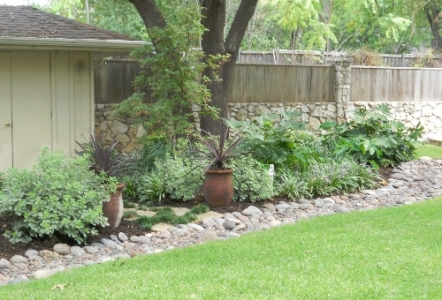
410, 182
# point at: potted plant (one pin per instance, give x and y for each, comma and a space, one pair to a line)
106, 159
218, 184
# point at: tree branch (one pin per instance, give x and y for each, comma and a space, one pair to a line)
239, 26
149, 12
214, 18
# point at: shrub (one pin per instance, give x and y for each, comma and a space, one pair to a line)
373, 137
272, 138
57, 195
327, 178
251, 180
177, 178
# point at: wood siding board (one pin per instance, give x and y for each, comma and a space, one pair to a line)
82, 97
61, 86
5, 111
437, 86
31, 106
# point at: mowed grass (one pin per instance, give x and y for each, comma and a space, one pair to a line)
389, 253
432, 151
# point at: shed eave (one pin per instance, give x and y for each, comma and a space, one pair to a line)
118, 46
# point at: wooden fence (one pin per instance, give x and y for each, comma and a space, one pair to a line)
114, 80
370, 84
291, 83
292, 57
279, 83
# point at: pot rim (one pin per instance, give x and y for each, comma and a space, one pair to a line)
219, 171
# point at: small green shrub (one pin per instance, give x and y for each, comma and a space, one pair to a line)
151, 187
251, 180
127, 204
130, 214
279, 139
327, 178
152, 148
57, 195
176, 178
131, 183
373, 137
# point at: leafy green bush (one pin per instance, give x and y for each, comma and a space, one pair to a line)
251, 180
177, 178
278, 139
373, 137
57, 195
327, 178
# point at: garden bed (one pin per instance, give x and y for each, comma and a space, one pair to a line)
130, 228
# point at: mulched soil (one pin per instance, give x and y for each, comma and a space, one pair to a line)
8, 249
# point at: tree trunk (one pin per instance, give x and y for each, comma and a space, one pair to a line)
213, 43
214, 12
433, 11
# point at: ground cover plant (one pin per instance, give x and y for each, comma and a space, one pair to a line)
373, 136
388, 253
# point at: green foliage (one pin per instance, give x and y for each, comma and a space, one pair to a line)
218, 149
327, 178
166, 215
127, 204
130, 214
131, 183
175, 178
251, 180
118, 16
57, 195
105, 158
277, 139
372, 136
172, 74
152, 149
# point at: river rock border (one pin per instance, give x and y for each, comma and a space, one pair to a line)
410, 182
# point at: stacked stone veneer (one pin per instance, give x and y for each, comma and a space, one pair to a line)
429, 114
111, 128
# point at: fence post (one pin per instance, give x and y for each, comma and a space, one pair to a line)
341, 87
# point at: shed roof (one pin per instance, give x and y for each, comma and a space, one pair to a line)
22, 26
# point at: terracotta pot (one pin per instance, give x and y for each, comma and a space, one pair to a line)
218, 187
113, 209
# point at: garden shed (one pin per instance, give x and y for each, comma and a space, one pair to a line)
47, 81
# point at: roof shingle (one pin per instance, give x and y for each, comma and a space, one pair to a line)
26, 21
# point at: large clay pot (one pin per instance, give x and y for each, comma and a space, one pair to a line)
218, 187
113, 209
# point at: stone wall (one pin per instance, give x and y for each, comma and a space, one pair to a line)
340, 109
313, 114
111, 128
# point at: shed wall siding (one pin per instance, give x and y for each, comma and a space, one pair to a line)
31, 105
82, 96
5, 111
51, 103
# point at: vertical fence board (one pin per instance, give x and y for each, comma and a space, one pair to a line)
291, 83
395, 84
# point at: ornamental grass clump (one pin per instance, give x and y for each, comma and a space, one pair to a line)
57, 195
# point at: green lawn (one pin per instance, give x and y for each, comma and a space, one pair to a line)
429, 150
393, 253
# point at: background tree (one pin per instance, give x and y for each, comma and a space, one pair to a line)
433, 12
